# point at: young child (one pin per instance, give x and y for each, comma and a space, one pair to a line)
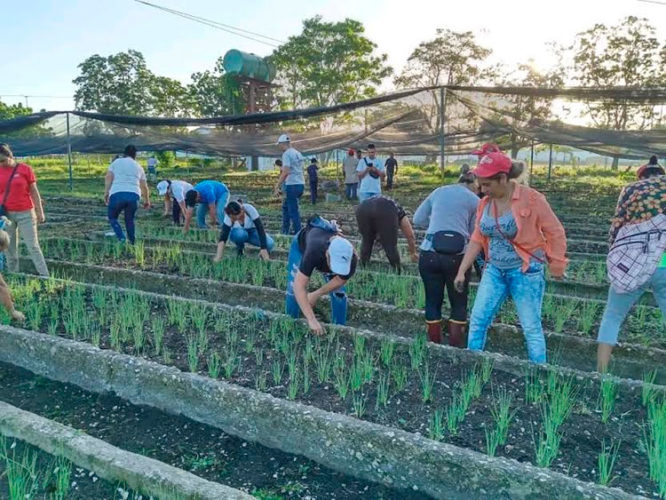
314, 179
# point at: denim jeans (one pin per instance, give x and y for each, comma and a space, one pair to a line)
202, 210
291, 218
128, 203
619, 304
350, 190
526, 290
338, 297
240, 236
366, 196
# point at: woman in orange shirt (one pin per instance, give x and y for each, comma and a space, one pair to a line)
519, 234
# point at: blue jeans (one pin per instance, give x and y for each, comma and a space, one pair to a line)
366, 196
338, 297
350, 190
618, 305
240, 236
526, 290
202, 210
291, 218
313, 192
125, 202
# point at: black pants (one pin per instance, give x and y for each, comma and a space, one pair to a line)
176, 212
389, 178
439, 271
377, 219
313, 191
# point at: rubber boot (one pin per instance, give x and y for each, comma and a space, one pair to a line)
435, 331
457, 333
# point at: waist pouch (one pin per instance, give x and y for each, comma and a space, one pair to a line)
448, 242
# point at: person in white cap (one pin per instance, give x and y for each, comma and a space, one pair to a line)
291, 174
319, 246
174, 198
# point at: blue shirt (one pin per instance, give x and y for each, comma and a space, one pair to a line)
312, 172
211, 191
503, 255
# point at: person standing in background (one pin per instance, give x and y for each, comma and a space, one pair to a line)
370, 172
313, 176
125, 183
391, 167
152, 168
291, 174
349, 165
22, 205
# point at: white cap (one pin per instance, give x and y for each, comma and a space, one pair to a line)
340, 252
283, 138
162, 187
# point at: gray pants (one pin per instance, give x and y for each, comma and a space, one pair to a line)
25, 224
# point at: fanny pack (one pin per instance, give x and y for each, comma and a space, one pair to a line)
448, 242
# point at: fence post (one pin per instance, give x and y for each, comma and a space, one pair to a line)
442, 115
69, 155
550, 161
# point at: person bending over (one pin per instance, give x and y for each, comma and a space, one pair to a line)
211, 197
174, 198
242, 224
319, 246
379, 218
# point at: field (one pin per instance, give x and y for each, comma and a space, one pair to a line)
381, 413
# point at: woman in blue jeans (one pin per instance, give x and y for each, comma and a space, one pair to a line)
125, 182
638, 203
319, 246
242, 224
519, 233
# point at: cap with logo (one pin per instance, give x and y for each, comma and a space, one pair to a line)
162, 187
341, 253
283, 138
492, 164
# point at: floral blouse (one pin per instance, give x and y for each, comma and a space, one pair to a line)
639, 202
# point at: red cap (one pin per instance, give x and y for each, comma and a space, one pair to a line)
488, 147
350, 152
492, 164
641, 171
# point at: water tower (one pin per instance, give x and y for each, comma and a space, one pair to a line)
254, 75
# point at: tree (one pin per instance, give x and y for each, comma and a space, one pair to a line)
215, 93
8, 111
627, 54
453, 58
117, 84
525, 109
328, 64
168, 97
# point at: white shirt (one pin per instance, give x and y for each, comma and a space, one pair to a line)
152, 161
179, 189
251, 215
127, 175
292, 159
368, 183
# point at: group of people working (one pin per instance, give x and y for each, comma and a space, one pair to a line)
488, 212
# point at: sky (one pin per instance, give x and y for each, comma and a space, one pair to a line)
44, 40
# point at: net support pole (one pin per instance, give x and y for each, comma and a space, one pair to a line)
69, 155
442, 114
531, 160
550, 161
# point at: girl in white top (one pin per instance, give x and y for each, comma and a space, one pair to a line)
125, 182
174, 191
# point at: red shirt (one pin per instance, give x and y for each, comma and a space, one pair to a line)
18, 199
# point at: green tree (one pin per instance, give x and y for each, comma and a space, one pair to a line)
8, 111
168, 97
521, 110
627, 54
215, 93
453, 58
328, 64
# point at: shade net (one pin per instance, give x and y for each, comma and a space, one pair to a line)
407, 122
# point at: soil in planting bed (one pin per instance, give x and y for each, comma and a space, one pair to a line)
183, 443
279, 357
42, 475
